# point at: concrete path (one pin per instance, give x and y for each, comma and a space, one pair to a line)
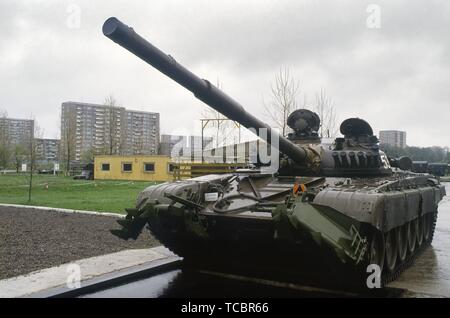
67, 274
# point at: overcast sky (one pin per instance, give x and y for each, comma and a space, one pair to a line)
394, 72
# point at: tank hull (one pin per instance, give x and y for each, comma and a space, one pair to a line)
238, 220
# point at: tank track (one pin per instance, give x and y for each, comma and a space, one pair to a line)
184, 248
386, 278
176, 246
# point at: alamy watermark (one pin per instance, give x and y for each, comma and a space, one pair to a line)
73, 20
373, 20
73, 276
257, 152
374, 278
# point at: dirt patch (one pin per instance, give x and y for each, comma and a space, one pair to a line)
33, 239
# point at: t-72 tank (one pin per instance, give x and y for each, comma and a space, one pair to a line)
346, 199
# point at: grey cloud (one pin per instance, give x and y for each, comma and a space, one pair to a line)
397, 77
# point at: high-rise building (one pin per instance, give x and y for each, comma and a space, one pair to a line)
141, 133
47, 150
394, 138
17, 131
185, 145
88, 129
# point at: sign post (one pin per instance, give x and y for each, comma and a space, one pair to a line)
55, 168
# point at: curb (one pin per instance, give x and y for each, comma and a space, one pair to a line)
111, 280
61, 210
93, 273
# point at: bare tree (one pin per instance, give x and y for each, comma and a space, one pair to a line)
113, 132
285, 91
325, 109
5, 141
33, 155
68, 138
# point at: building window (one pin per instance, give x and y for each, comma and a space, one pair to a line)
170, 167
127, 167
105, 167
149, 167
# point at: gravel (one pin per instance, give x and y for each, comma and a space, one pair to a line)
33, 239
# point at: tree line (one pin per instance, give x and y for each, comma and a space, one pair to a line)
430, 154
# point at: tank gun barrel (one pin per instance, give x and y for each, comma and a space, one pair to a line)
202, 89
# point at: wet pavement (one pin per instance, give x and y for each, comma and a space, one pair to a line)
199, 284
429, 276
430, 273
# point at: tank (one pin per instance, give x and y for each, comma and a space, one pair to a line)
343, 204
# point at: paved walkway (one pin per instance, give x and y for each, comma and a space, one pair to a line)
66, 274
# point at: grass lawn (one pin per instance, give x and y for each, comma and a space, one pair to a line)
64, 192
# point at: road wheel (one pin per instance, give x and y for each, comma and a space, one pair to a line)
377, 249
410, 226
402, 242
391, 250
419, 230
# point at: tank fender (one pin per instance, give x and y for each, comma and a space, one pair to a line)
365, 207
384, 210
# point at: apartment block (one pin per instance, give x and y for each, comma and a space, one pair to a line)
394, 138
17, 131
47, 150
142, 133
99, 129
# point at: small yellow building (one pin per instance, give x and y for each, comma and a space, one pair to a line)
134, 167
